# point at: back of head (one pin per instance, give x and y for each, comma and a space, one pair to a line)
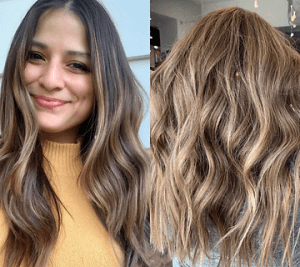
224, 131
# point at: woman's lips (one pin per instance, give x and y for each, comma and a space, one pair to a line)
49, 103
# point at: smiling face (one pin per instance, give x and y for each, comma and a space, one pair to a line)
57, 75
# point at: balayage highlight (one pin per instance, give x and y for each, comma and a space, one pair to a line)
225, 139
115, 165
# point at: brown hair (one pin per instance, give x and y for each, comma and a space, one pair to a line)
115, 165
225, 133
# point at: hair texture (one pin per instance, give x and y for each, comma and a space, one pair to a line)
115, 165
225, 135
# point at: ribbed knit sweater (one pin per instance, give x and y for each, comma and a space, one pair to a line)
82, 241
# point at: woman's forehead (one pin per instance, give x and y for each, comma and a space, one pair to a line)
61, 27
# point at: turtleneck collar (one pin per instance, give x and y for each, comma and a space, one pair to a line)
63, 158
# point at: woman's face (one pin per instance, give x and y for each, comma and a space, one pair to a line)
57, 75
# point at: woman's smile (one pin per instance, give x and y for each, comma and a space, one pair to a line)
48, 102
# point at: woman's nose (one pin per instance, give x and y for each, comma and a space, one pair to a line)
52, 77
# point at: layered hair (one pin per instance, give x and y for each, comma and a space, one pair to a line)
225, 140
115, 165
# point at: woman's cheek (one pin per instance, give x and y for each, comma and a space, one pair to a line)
30, 73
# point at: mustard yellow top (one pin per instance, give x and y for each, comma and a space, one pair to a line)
82, 241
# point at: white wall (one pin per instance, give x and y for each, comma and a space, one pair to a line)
167, 28
132, 19
186, 12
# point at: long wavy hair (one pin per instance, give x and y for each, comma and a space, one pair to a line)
115, 165
225, 140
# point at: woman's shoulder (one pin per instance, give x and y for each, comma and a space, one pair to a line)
3, 234
3, 227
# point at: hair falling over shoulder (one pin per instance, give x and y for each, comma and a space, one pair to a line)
225, 135
115, 164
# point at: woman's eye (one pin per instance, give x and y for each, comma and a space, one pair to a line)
79, 67
35, 56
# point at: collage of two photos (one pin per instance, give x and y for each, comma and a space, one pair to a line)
185, 154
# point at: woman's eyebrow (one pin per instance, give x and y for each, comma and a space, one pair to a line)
39, 44
69, 52
78, 53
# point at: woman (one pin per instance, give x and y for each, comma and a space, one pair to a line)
73, 171
225, 142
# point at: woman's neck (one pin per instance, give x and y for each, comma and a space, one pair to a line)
66, 137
